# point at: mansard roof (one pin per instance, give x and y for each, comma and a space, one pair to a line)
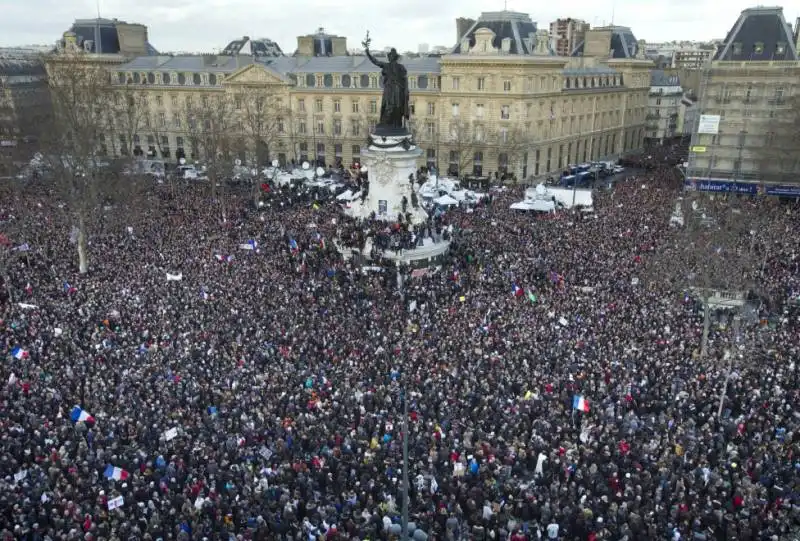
759, 33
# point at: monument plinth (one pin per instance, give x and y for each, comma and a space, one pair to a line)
389, 159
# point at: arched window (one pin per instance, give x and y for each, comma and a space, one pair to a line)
327, 80
165, 77
151, 78
346, 81
310, 81
137, 78
422, 82
364, 82
181, 78
197, 79
212, 79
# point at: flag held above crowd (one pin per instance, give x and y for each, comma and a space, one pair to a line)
79, 415
580, 403
117, 474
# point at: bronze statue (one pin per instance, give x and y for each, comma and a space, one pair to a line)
394, 106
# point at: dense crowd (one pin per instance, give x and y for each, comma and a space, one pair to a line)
237, 379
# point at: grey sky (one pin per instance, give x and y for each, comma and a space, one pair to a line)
204, 25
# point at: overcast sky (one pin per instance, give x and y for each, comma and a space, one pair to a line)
205, 25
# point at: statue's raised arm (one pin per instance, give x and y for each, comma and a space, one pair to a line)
395, 108
365, 44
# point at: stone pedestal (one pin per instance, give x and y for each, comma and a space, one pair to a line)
390, 159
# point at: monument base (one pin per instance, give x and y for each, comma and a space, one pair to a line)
390, 161
421, 256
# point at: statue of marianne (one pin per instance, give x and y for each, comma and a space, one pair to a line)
394, 106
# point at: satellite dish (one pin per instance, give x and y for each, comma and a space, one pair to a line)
320, 171
305, 166
183, 161
275, 163
237, 162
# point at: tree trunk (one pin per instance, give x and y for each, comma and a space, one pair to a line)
256, 191
706, 327
83, 252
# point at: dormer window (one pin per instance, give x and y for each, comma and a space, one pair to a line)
758, 48
780, 48
737, 48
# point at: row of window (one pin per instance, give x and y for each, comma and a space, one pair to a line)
169, 78
759, 48
605, 81
328, 80
581, 150
163, 141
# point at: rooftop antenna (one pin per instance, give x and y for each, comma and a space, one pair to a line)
98, 9
613, 9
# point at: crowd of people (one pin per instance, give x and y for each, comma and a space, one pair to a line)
237, 379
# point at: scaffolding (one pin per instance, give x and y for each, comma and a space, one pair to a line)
759, 90
693, 171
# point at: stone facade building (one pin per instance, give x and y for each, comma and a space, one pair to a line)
24, 95
500, 101
747, 127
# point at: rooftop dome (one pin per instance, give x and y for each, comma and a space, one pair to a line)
262, 47
759, 34
101, 36
623, 43
518, 27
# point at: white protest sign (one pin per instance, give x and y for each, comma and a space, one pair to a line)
20, 475
171, 434
174, 277
115, 502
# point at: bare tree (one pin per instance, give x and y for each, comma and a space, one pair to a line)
128, 117
212, 132
461, 144
260, 110
513, 142
779, 156
337, 135
81, 96
716, 254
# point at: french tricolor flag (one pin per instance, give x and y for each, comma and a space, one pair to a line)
516, 290
79, 415
580, 403
293, 246
19, 353
118, 474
